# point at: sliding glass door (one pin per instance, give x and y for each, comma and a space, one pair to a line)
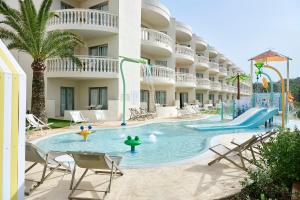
66, 99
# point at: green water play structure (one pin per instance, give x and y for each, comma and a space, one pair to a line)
133, 142
130, 60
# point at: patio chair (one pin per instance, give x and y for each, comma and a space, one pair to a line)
98, 163
225, 152
36, 156
148, 115
260, 139
36, 123
77, 117
136, 115
98, 117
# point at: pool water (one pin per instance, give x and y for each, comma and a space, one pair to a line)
162, 143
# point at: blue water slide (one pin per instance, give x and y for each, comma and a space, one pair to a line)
253, 118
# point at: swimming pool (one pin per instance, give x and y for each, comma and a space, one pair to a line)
162, 143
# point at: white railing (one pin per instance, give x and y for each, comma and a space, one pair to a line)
185, 77
183, 50
203, 82
202, 59
157, 37
157, 72
214, 65
223, 70
215, 85
224, 87
89, 64
84, 17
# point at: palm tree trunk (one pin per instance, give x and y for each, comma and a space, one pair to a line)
38, 107
238, 88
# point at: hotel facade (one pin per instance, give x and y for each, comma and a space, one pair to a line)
183, 68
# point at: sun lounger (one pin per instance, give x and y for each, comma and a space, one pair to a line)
136, 115
36, 123
260, 139
37, 156
77, 117
226, 153
98, 163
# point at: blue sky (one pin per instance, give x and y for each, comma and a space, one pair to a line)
244, 28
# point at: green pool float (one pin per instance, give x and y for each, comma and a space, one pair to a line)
133, 142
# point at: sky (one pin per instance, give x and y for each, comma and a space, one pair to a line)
241, 29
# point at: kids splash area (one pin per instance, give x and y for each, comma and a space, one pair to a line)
163, 143
155, 158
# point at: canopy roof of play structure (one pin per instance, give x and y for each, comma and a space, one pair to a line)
270, 56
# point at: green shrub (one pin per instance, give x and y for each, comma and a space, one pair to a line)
280, 167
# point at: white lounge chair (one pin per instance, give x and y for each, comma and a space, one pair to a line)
98, 114
77, 117
98, 163
36, 123
37, 156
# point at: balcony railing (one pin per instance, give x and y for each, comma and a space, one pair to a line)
185, 51
203, 82
158, 72
214, 65
89, 64
156, 37
202, 59
224, 87
215, 85
185, 78
223, 70
84, 17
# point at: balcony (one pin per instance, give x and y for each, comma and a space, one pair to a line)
215, 86
92, 67
222, 58
185, 80
156, 43
212, 52
223, 70
158, 75
232, 89
201, 62
214, 67
184, 55
203, 84
224, 87
85, 22
155, 13
184, 32
200, 43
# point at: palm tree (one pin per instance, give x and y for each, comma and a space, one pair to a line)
238, 78
25, 30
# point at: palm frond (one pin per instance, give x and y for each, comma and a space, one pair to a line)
27, 32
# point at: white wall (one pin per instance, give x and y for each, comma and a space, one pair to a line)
129, 46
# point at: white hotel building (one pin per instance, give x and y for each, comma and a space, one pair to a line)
185, 68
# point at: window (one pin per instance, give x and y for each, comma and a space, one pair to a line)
199, 75
98, 96
161, 97
220, 98
184, 70
199, 97
101, 50
102, 6
161, 63
64, 5
66, 99
212, 78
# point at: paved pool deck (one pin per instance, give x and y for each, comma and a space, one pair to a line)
191, 180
